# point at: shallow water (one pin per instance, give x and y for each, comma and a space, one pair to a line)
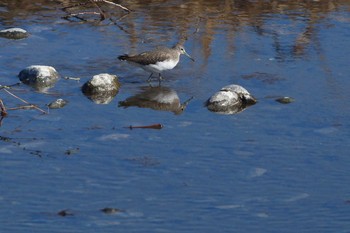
271, 168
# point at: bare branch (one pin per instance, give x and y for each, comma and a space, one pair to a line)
115, 4
75, 5
3, 109
25, 107
33, 106
102, 14
84, 13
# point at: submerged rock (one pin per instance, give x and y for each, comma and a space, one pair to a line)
101, 88
109, 210
230, 99
65, 213
285, 100
14, 33
59, 103
38, 76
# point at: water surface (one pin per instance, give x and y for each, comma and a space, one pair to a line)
271, 168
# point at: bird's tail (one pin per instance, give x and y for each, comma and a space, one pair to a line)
123, 57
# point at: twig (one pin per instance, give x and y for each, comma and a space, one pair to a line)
93, 2
75, 5
155, 126
76, 15
23, 107
1, 120
72, 78
115, 4
33, 106
120, 27
84, 13
67, 17
3, 109
102, 14
9, 86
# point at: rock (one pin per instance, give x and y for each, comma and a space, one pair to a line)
230, 99
14, 33
101, 83
59, 103
285, 100
101, 88
40, 77
109, 210
65, 213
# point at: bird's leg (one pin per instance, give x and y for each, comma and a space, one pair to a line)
150, 78
160, 79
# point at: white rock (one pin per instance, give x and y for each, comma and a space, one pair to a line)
102, 83
14, 33
38, 75
101, 88
230, 99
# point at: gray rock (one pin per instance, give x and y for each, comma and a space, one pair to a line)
230, 99
101, 88
59, 103
14, 33
40, 77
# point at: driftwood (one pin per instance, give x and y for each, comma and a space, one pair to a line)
155, 126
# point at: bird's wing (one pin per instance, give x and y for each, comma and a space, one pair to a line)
151, 57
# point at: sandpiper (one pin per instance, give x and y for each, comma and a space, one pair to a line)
157, 60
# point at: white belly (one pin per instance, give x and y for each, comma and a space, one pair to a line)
160, 66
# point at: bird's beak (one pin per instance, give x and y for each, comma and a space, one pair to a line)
188, 56
187, 102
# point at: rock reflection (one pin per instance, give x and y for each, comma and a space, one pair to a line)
156, 98
101, 98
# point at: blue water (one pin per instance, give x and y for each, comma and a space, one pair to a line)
270, 168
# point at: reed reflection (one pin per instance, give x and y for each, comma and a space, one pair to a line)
199, 19
290, 24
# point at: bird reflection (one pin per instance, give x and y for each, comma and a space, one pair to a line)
157, 98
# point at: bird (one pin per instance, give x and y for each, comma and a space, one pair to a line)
158, 60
